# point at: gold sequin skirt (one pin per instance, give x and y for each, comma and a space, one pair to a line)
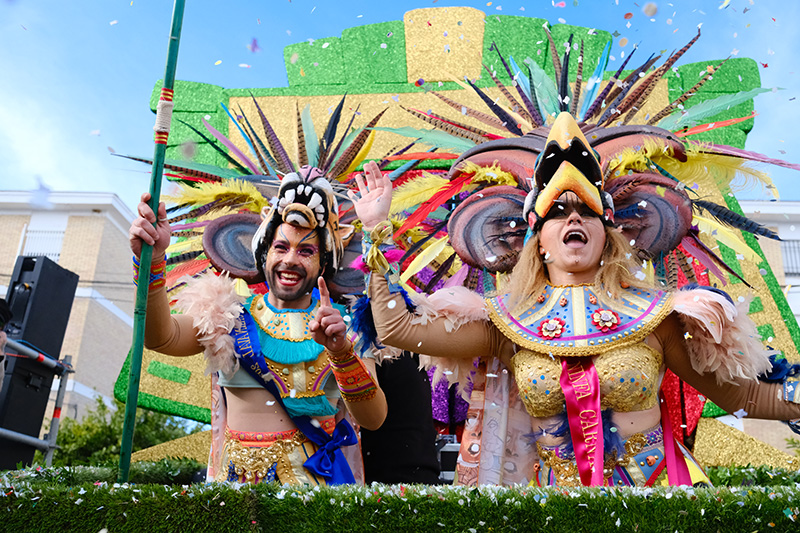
254, 457
641, 465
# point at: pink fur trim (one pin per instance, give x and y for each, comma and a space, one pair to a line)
724, 339
213, 304
392, 255
457, 305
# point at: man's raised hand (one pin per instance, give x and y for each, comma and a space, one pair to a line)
143, 230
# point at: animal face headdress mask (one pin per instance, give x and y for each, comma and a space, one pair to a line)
306, 200
567, 163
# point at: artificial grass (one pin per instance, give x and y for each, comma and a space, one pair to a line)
36, 500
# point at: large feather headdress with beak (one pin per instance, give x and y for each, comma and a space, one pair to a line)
640, 171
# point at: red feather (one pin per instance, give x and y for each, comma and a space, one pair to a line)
441, 196
422, 155
190, 268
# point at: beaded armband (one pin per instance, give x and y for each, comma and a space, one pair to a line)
354, 380
791, 390
157, 273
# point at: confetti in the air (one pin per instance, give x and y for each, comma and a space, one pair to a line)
218, 62
253, 46
650, 9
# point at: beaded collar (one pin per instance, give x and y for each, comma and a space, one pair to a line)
284, 324
570, 320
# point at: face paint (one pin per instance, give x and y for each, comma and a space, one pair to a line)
292, 265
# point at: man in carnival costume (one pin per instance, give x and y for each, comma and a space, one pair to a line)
274, 410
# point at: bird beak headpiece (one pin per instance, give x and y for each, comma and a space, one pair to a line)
567, 163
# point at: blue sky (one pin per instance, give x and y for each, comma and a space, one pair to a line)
76, 77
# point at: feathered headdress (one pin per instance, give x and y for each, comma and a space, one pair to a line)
217, 210
650, 182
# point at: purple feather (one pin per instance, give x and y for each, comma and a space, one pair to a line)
720, 149
274, 143
232, 147
602, 96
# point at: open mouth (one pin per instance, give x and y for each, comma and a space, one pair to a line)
289, 278
575, 238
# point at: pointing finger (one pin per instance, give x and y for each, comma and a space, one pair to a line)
324, 295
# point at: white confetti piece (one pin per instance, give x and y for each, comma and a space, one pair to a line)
113, 23
392, 304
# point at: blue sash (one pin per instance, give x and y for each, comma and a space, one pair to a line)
328, 461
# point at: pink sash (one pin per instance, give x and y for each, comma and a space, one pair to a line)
677, 471
582, 391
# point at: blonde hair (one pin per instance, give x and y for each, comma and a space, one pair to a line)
618, 264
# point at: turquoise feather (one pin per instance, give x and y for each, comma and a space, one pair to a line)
707, 109
435, 138
520, 78
310, 136
545, 88
593, 85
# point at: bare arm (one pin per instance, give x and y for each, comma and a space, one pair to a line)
164, 333
758, 399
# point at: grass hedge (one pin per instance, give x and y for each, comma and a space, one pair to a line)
41, 500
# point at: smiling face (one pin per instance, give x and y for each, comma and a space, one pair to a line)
571, 241
292, 267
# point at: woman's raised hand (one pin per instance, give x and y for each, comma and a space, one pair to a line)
374, 196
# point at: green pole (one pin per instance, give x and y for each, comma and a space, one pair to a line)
140, 309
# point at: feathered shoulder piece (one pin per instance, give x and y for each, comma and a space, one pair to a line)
721, 338
213, 304
457, 305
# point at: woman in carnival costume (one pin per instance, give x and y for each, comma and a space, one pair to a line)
577, 342
275, 411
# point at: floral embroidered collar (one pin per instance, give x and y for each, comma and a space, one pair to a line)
571, 321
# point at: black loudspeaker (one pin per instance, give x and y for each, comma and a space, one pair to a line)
40, 296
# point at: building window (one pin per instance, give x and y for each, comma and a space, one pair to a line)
45, 235
791, 257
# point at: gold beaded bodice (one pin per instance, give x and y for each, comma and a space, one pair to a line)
569, 322
628, 380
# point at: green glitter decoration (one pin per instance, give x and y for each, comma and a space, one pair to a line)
169, 372
729, 256
766, 331
712, 410
155, 403
368, 48
756, 305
